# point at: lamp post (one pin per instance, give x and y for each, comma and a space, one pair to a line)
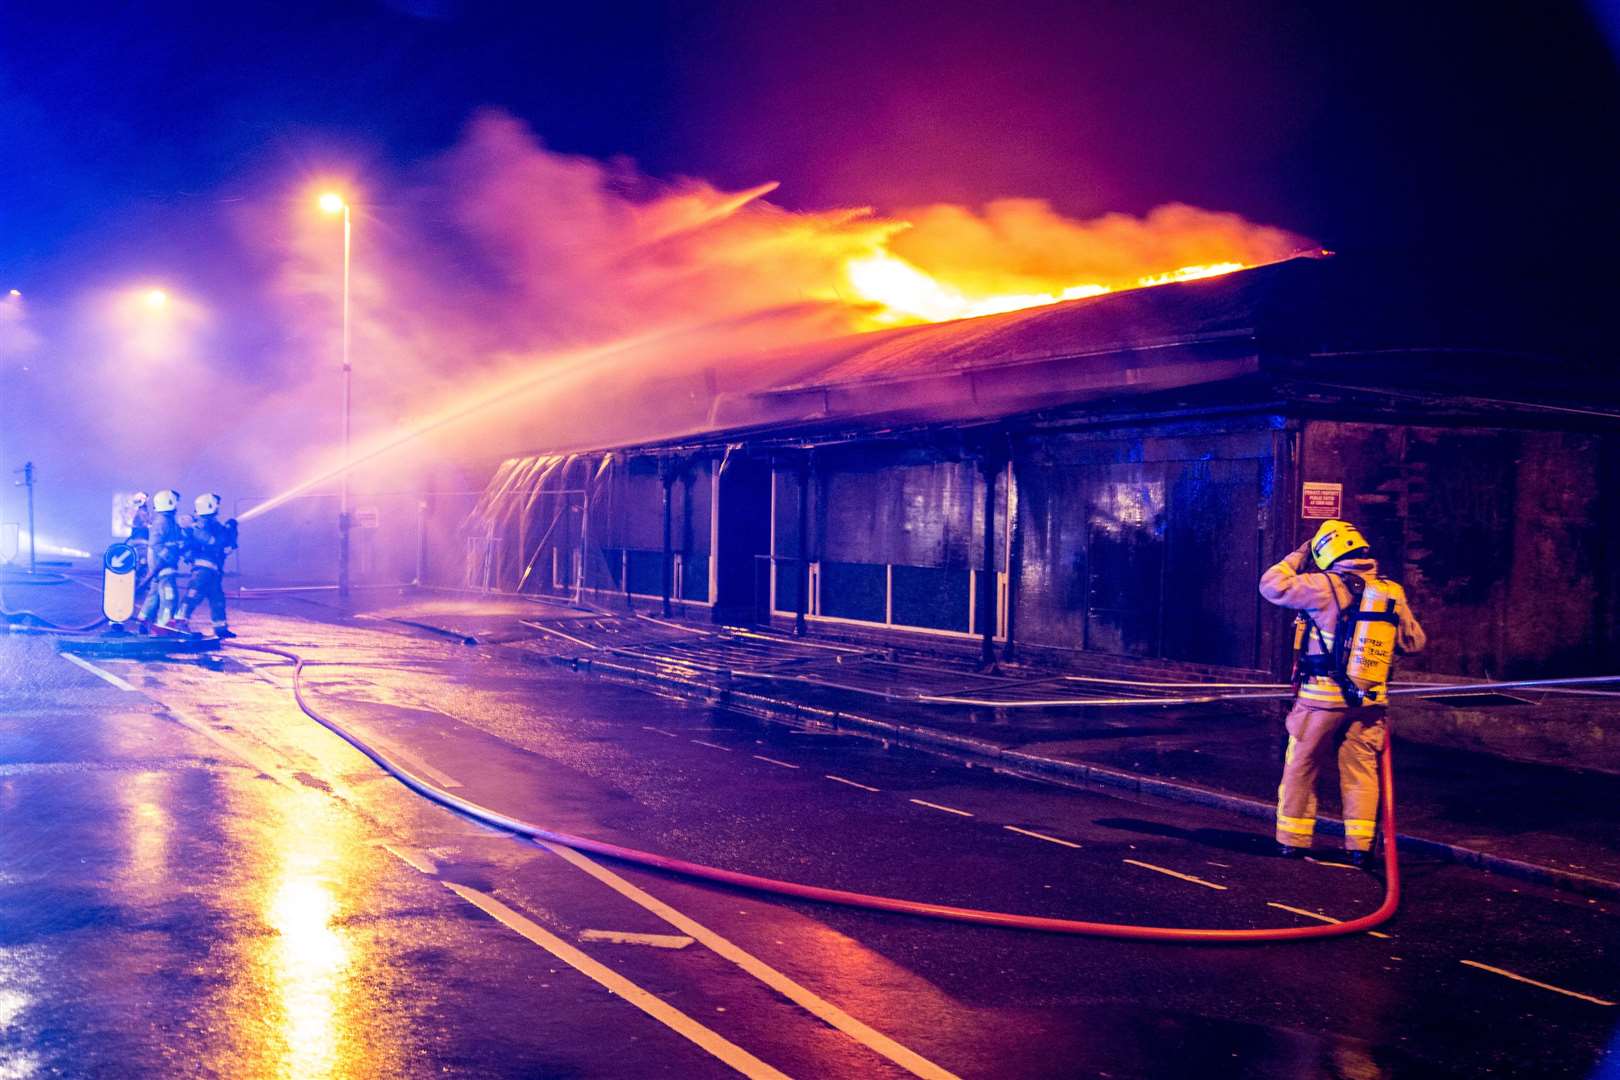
333, 203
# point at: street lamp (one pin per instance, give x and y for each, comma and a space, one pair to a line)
333, 203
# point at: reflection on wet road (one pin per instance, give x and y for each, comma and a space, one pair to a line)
196, 879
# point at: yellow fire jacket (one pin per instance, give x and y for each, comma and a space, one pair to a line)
1321, 597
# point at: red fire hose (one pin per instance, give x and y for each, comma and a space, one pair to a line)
484, 815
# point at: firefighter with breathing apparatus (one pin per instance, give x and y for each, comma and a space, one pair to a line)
165, 545
208, 541
1350, 626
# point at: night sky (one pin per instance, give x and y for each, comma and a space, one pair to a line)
177, 144
1484, 128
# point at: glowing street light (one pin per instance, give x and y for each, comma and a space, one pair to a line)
14, 292
333, 203
156, 299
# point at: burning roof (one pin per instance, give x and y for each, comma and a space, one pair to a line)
1311, 319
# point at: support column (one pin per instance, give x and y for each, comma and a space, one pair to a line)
991, 466
666, 473
806, 471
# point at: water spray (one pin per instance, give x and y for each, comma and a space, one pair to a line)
558, 367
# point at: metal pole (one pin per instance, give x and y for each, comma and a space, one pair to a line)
421, 540
348, 377
28, 482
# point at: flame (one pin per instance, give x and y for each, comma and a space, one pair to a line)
903, 293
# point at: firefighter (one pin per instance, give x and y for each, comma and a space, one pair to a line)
1350, 625
140, 532
165, 545
207, 543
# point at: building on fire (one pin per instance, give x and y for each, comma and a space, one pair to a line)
1106, 478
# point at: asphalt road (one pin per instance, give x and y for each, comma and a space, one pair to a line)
195, 879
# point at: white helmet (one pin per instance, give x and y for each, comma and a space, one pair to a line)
166, 501
207, 505
138, 500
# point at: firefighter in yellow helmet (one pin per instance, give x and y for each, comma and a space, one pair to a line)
1351, 624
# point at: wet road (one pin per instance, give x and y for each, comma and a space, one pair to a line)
195, 879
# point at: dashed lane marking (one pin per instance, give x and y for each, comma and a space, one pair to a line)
1040, 836
705, 1038
1516, 977
811, 1002
625, 937
104, 676
1319, 917
417, 860
712, 746
773, 761
851, 783
1330, 864
660, 731
393, 749
1175, 874
936, 806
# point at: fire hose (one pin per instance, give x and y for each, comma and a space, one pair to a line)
797, 891
32, 621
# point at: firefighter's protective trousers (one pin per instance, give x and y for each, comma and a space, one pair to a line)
161, 598
1316, 739
206, 584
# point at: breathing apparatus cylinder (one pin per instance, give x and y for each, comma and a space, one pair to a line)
1370, 651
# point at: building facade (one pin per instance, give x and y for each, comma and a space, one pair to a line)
1104, 481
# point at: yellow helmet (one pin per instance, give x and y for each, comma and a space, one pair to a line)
1334, 540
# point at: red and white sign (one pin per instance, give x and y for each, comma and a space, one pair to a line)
1322, 501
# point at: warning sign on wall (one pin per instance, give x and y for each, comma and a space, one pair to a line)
1322, 501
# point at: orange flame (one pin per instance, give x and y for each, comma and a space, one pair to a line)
903, 293
947, 261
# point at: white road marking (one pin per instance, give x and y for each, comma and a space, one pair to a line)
104, 676
1041, 836
773, 761
851, 783
1330, 864
1532, 982
936, 806
274, 770
417, 764
812, 1003
660, 731
712, 746
624, 937
1319, 917
1176, 874
416, 860
705, 1038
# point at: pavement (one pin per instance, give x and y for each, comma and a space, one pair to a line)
195, 879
